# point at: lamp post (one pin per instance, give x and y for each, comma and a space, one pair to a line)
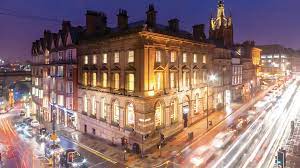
223, 83
53, 136
210, 78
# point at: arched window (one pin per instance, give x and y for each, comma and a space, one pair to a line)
103, 113
85, 104
130, 120
159, 117
174, 111
93, 106
116, 112
197, 104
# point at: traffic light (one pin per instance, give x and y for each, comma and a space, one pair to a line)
281, 158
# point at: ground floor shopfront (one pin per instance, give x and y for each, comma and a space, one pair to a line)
141, 121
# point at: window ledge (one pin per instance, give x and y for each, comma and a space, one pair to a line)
115, 124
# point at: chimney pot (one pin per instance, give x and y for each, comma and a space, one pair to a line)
198, 32
174, 25
122, 19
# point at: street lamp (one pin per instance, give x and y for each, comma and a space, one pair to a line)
212, 78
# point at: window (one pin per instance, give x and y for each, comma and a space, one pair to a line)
116, 81
195, 78
60, 55
94, 79
195, 58
130, 56
158, 115
104, 79
204, 59
60, 100
204, 75
60, 71
69, 87
184, 57
103, 108
41, 94
94, 59
172, 80
104, 58
158, 56
197, 104
70, 55
85, 104
93, 106
174, 108
86, 60
173, 56
84, 79
184, 79
130, 115
130, 82
159, 78
116, 57
116, 112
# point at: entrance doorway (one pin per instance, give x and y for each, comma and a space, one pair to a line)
185, 111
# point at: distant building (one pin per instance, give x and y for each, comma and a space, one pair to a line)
276, 59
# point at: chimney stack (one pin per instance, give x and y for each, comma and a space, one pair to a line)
122, 19
151, 16
198, 32
95, 22
174, 25
66, 25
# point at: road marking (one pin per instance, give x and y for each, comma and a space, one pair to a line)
100, 163
101, 155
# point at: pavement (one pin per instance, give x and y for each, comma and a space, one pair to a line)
154, 158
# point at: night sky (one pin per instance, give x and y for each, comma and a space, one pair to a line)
265, 21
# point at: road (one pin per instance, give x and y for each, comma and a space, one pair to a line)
243, 140
28, 153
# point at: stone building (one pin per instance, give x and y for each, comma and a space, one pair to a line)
54, 74
143, 79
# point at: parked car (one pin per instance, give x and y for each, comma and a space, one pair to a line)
72, 158
35, 123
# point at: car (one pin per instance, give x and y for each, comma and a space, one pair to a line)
35, 123
27, 120
222, 139
72, 158
53, 149
28, 132
201, 156
22, 113
242, 122
20, 127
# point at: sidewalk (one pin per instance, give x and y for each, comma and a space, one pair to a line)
173, 145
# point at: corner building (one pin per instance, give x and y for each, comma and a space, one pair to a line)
142, 79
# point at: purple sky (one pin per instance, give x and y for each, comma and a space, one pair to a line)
265, 21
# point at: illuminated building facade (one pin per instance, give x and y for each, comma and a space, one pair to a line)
55, 75
142, 79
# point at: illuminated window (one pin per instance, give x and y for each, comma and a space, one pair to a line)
130, 116
60, 71
204, 76
104, 58
158, 115
104, 79
174, 109
173, 56
204, 59
103, 108
41, 94
116, 81
159, 78
116, 57
158, 56
94, 79
195, 78
84, 79
116, 112
195, 58
94, 59
130, 56
172, 80
86, 60
85, 104
184, 57
93, 106
197, 104
130, 81
60, 100
185, 79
